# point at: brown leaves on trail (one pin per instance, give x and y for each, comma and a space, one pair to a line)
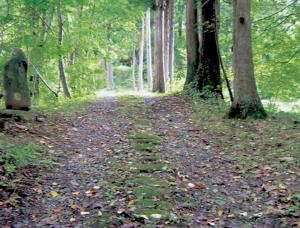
199, 186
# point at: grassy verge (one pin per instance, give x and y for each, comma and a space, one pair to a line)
68, 109
272, 142
18, 156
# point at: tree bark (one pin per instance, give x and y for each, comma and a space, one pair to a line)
61, 64
209, 77
110, 76
166, 42
159, 85
246, 99
172, 40
192, 44
141, 56
149, 50
134, 63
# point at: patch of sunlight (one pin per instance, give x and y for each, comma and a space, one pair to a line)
119, 93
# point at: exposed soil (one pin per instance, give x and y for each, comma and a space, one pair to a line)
89, 185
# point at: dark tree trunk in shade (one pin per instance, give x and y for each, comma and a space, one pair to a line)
209, 78
192, 44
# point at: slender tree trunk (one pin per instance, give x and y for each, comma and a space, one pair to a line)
149, 50
166, 42
159, 85
172, 39
2, 42
141, 57
110, 76
246, 99
61, 64
9, 8
73, 56
134, 63
209, 77
192, 44
180, 23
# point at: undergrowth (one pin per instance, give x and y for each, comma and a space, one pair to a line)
14, 156
273, 142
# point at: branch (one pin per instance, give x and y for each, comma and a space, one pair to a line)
44, 81
277, 12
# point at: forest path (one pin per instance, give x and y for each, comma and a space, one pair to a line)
136, 161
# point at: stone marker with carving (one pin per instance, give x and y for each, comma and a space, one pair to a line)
16, 91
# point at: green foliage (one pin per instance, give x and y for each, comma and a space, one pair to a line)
14, 157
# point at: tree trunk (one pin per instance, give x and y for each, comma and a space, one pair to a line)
149, 50
61, 64
246, 99
110, 76
134, 64
192, 44
166, 42
141, 57
159, 85
172, 40
209, 77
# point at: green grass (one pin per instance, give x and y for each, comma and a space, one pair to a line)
68, 109
266, 142
18, 156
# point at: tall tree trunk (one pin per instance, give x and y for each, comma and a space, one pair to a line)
209, 77
61, 64
180, 23
110, 76
159, 85
2, 42
166, 42
192, 44
172, 39
149, 49
246, 99
9, 8
134, 63
141, 57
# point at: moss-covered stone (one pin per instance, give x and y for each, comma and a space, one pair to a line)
149, 192
147, 180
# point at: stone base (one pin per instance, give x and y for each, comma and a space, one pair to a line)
17, 114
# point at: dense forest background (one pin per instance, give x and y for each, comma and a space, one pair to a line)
97, 33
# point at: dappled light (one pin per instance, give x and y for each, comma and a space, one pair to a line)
149, 113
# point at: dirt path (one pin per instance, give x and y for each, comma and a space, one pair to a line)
137, 163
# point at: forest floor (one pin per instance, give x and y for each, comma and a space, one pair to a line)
134, 161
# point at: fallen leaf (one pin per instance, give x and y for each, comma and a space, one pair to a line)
191, 185
57, 213
75, 207
231, 216
199, 186
132, 202
2, 203
220, 213
120, 211
84, 213
156, 216
54, 193
75, 193
244, 214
